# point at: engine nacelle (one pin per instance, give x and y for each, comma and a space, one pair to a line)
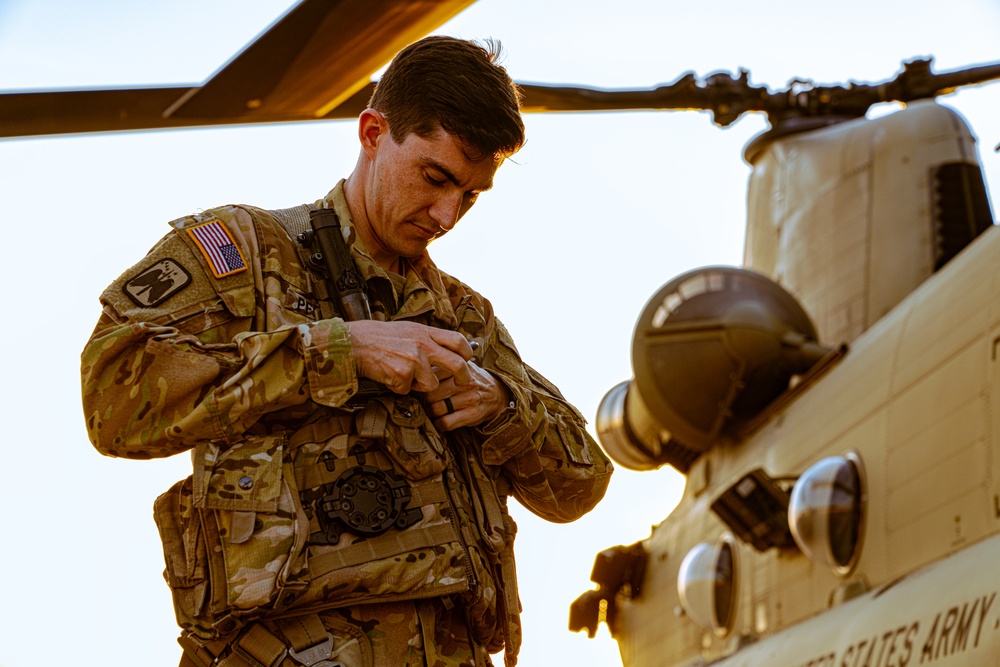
711, 349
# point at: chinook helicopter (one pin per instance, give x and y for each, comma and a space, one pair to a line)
832, 404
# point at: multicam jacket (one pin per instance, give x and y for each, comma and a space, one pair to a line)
220, 341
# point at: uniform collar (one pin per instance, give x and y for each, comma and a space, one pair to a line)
423, 290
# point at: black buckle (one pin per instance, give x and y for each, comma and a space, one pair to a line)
366, 501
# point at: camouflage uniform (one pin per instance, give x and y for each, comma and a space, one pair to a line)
221, 341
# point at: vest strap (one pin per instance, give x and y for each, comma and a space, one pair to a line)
388, 545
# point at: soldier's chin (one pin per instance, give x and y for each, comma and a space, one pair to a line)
433, 239
416, 249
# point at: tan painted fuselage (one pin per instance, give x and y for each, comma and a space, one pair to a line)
843, 219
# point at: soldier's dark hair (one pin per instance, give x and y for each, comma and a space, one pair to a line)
457, 84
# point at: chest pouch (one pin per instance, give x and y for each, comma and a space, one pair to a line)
233, 535
379, 498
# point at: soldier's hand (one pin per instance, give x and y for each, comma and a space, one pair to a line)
456, 403
404, 355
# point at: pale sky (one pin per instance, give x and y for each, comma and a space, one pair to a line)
594, 214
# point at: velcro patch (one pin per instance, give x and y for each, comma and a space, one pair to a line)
157, 283
224, 256
300, 303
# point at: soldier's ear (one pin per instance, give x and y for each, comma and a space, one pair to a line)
373, 128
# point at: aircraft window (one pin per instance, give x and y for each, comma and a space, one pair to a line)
706, 585
725, 594
826, 511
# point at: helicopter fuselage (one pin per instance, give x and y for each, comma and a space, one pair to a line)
914, 403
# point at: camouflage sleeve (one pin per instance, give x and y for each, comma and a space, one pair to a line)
556, 469
184, 351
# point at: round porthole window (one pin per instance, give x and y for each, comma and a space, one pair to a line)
706, 585
826, 512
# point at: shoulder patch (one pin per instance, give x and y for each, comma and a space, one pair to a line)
157, 283
224, 256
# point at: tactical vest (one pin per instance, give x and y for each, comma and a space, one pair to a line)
359, 505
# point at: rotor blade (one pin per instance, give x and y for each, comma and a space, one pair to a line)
542, 98
727, 96
314, 58
83, 111
314, 62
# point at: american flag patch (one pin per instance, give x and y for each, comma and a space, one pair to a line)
218, 248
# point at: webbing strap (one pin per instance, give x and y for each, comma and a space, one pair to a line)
512, 608
315, 476
308, 641
295, 220
257, 647
373, 421
387, 545
200, 652
327, 471
303, 638
427, 493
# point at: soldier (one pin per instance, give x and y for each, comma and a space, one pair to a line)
330, 520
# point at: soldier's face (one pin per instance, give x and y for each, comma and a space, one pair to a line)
420, 189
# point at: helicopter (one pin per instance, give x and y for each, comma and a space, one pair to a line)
832, 403
584, 555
